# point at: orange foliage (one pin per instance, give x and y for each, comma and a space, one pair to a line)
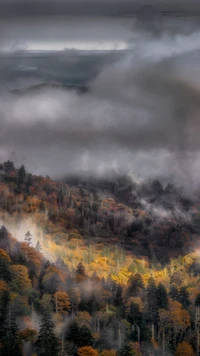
108, 353
62, 301
87, 351
184, 349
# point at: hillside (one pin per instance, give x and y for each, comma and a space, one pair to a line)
114, 262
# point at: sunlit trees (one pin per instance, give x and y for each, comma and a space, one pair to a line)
87, 351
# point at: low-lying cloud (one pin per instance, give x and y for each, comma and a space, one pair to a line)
141, 115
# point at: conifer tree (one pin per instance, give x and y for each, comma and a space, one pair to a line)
162, 298
9, 331
152, 308
80, 269
38, 246
28, 238
184, 297
21, 175
46, 343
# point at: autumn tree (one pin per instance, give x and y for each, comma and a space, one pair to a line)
184, 349
87, 351
62, 302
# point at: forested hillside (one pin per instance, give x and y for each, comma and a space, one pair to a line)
92, 268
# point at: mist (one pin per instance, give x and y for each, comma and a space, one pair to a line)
139, 115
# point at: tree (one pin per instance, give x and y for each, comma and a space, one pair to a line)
87, 351
28, 238
21, 175
152, 308
47, 343
5, 261
80, 336
184, 297
197, 320
109, 353
80, 269
126, 350
38, 246
62, 302
9, 333
135, 285
4, 239
184, 349
162, 298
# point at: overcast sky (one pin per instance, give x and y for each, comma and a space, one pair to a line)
141, 112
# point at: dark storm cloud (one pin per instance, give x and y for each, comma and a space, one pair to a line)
91, 7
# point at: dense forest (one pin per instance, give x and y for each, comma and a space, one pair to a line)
97, 268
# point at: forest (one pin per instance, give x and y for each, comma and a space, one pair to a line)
97, 268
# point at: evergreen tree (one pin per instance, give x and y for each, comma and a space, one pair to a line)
4, 303
162, 298
126, 350
21, 175
38, 246
80, 336
9, 333
134, 315
173, 292
184, 297
80, 269
47, 343
152, 308
135, 285
4, 239
28, 237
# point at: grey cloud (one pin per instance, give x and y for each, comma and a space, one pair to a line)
140, 114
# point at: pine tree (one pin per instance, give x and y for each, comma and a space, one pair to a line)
28, 238
38, 246
173, 292
47, 343
9, 334
4, 303
184, 297
21, 175
152, 308
80, 269
126, 350
80, 336
162, 298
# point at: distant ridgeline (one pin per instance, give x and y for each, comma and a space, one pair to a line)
81, 89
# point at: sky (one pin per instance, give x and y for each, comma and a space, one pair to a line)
140, 63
